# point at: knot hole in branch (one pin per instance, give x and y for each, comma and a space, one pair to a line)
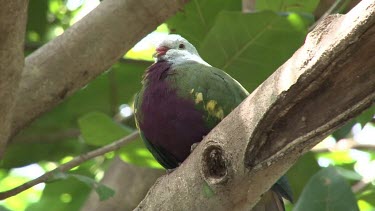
215, 165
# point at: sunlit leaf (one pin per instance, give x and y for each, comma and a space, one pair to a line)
338, 157
348, 174
368, 196
136, 153
327, 190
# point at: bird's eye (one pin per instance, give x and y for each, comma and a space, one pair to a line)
181, 46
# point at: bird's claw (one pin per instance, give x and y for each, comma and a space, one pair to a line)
193, 146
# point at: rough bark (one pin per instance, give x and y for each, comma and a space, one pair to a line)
12, 27
130, 183
325, 83
84, 51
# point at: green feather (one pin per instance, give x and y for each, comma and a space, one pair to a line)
213, 91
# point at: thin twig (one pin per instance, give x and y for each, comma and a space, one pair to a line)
248, 6
71, 164
360, 185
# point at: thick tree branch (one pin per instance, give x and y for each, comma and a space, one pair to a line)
12, 27
328, 81
82, 52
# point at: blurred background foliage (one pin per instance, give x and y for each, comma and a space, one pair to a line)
250, 46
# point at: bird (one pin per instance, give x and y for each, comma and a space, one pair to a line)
181, 100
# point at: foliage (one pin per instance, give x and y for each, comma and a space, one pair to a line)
248, 46
327, 190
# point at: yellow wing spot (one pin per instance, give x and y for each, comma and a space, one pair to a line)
191, 91
211, 106
198, 97
220, 113
215, 110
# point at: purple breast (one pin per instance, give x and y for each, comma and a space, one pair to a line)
169, 121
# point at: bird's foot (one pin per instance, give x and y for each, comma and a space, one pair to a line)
172, 170
193, 146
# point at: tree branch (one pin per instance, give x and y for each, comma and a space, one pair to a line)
71, 164
12, 27
248, 6
328, 81
84, 51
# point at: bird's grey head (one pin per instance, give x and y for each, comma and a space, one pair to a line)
176, 49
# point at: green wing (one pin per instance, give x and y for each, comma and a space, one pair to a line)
213, 91
216, 94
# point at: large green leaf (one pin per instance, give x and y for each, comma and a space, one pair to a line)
99, 129
327, 190
307, 6
301, 172
251, 46
198, 16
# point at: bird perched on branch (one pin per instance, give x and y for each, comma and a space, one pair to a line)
182, 99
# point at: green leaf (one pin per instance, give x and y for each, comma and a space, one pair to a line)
37, 20
198, 16
301, 172
368, 196
136, 153
344, 131
50, 136
327, 190
248, 50
66, 194
103, 191
207, 190
307, 6
24, 153
4, 209
348, 174
99, 129
366, 116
